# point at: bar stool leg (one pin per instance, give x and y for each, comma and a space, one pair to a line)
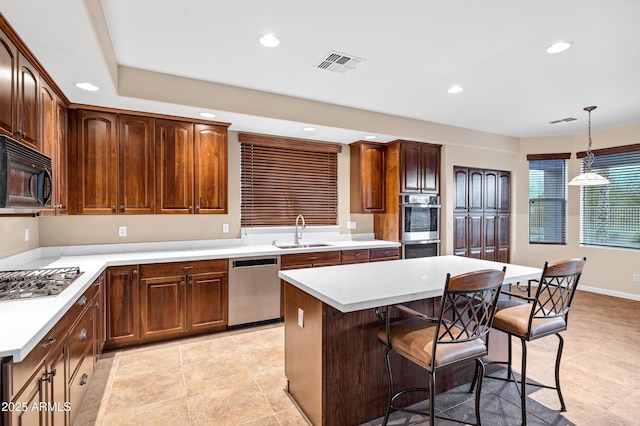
390, 378
558, 357
523, 383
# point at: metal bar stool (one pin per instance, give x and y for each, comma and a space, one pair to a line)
467, 310
532, 318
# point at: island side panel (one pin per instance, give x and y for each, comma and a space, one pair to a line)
354, 373
303, 351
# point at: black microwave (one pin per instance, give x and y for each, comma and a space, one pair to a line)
25, 178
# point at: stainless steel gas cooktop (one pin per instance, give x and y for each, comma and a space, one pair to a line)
29, 283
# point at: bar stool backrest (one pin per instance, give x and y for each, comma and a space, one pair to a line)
557, 286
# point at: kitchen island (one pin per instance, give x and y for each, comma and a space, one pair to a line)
333, 361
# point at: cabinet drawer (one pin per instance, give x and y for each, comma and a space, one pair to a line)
80, 339
310, 259
79, 383
384, 254
83, 301
355, 256
18, 374
181, 268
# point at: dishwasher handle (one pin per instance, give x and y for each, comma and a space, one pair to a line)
246, 263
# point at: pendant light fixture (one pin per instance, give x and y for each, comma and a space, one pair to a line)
588, 178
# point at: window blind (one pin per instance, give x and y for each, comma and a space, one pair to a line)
610, 214
548, 198
282, 178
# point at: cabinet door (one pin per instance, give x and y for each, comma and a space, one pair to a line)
503, 237
27, 102
367, 177
174, 171
460, 188
430, 168
475, 190
460, 235
207, 301
504, 192
162, 306
489, 249
49, 137
97, 154
490, 191
99, 316
475, 235
61, 187
136, 165
122, 306
8, 66
410, 168
56, 384
210, 178
33, 394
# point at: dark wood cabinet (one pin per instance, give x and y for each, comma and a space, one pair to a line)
8, 85
136, 165
419, 168
481, 217
174, 174
210, 169
383, 254
162, 306
191, 172
99, 306
122, 306
367, 169
27, 103
34, 393
53, 134
207, 307
411, 168
355, 256
97, 149
115, 155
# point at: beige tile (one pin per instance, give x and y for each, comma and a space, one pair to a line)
221, 378
238, 408
266, 361
148, 360
251, 341
627, 408
292, 417
172, 412
205, 350
265, 421
150, 387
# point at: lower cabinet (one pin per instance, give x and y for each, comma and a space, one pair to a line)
47, 387
162, 301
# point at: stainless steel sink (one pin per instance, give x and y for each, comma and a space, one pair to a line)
310, 245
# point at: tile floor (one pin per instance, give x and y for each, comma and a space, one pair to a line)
237, 378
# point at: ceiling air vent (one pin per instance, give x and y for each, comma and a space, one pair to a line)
564, 120
338, 62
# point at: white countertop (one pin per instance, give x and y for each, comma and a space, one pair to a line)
23, 323
360, 286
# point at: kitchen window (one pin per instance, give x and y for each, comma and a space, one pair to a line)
548, 198
281, 178
610, 214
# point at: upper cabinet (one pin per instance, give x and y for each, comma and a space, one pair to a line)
26, 129
367, 177
136, 165
19, 83
174, 157
8, 67
419, 168
210, 168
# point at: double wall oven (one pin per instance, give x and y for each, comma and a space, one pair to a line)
420, 225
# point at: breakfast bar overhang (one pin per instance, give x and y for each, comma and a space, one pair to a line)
334, 363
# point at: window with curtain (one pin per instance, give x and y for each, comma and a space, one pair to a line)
282, 178
610, 214
548, 198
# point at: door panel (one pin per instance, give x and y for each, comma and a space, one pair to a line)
162, 305
174, 171
210, 153
207, 301
136, 172
123, 306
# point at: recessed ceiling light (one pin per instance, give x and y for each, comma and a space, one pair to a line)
558, 47
370, 137
309, 129
455, 89
207, 115
87, 86
269, 40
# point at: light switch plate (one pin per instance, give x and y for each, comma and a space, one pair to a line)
351, 225
26, 234
122, 231
225, 227
300, 317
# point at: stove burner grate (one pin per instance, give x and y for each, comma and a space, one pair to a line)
22, 284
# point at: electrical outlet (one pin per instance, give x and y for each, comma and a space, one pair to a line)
300, 317
636, 278
122, 231
351, 225
225, 227
26, 234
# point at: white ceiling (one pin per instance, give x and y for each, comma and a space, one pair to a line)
413, 51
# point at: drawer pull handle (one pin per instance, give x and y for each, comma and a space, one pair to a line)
49, 342
312, 257
84, 379
356, 254
83, 334
82, 301
187, 268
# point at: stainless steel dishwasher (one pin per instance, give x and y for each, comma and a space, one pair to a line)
254, 289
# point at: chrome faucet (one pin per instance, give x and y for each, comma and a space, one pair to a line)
298, 236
